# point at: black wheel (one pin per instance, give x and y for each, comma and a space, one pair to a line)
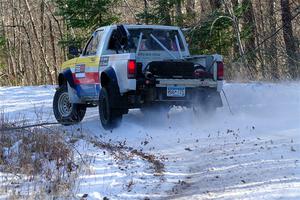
110, 118
65, 112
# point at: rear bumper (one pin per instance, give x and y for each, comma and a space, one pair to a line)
193, 96
189, 83
197, 92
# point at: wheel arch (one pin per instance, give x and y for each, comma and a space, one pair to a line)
66, 77
109, 77
61, 80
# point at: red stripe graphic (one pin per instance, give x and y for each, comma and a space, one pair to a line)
90, 78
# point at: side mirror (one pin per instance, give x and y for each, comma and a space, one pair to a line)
74, 51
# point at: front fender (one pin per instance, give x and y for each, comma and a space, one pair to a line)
66, 77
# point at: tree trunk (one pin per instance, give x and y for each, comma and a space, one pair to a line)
249, 22
52, 40
235, 24
290, 44
42, 23
179, 19
235, 4
190, 7
33, 62
13, 45
146, 11
40, 45
215, 4
272, 62
60, 27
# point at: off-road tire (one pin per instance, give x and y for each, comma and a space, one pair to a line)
65, 112
110, 118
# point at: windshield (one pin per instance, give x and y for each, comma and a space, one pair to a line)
166, 37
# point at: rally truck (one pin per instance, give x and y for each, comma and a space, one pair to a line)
135, 66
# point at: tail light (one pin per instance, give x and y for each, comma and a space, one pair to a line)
201, 73
131, 69
220, 72
198, 73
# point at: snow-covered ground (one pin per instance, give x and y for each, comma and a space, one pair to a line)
252, 154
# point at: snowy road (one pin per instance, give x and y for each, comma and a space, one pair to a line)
252, 154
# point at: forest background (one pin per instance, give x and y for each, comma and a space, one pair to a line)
259, 39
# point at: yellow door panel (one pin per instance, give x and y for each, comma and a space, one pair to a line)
87, 75
69, 64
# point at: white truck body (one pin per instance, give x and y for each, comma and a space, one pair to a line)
139, 65
119, 61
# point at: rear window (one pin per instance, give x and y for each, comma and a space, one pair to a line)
165, 37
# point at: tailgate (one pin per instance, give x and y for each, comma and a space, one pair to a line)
177, 70
189, 83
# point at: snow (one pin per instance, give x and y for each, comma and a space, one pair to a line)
252, 154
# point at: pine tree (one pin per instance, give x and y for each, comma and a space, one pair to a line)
82, 17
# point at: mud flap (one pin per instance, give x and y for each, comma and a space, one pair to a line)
73, 94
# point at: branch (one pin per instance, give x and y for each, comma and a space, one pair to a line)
272, 35
13, 26
269, 37
135, 17
27, 126
220, 17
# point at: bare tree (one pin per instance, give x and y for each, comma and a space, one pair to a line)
40, 45
190, 6
273, 60
215, 4
265, 35
290, 44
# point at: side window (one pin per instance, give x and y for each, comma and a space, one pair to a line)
112, 41
117, 43
91, 48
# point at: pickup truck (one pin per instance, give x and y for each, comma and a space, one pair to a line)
135, 66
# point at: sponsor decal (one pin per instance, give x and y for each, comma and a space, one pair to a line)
80, 68
93, 59
104, 61
80, 75
80, 71
149, 54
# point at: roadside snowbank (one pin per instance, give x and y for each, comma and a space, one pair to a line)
251, 154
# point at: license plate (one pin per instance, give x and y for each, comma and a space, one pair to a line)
175, 91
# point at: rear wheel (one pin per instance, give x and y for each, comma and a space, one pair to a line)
65, 112
110, 118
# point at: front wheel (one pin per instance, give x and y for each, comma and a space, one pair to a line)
65, 112
110, 118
